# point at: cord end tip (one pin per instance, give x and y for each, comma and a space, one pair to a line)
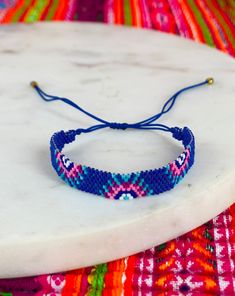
33, 84
210, 80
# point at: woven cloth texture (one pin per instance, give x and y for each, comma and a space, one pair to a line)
201, 262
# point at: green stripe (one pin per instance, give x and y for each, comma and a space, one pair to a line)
201, 23
97, 284
52, 10
220, 18
37, 11
21, 11
127, 13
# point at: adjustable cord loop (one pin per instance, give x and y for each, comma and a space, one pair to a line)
116, 185
144, 124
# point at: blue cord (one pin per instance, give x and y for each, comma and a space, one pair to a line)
144, 124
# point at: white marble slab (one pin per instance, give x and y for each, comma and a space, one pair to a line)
121, 74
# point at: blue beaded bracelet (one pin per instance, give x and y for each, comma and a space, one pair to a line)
116, 185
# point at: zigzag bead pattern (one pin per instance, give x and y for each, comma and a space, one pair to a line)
122, 186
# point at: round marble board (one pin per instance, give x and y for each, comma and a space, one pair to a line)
121, 74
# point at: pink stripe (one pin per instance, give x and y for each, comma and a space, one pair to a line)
126, 186
143, 277
177, 171
71, 10
109, 12
145, 14
224, 252
179, 18
2, 14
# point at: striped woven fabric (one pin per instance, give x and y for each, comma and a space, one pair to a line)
201, 262
207, 21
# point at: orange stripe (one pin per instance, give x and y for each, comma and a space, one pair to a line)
45, 11
73, 281
128, 285
197, 35
138, 13
133, 13
60, 11
113, 285
224, 15
211, 25
8, 16
118, 8
224, 20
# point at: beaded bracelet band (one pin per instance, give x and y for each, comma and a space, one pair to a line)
116, 185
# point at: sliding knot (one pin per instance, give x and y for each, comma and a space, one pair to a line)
69, 136
177, 133
79, 131
116, 125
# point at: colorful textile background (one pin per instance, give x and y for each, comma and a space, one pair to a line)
208, 21
201, 262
